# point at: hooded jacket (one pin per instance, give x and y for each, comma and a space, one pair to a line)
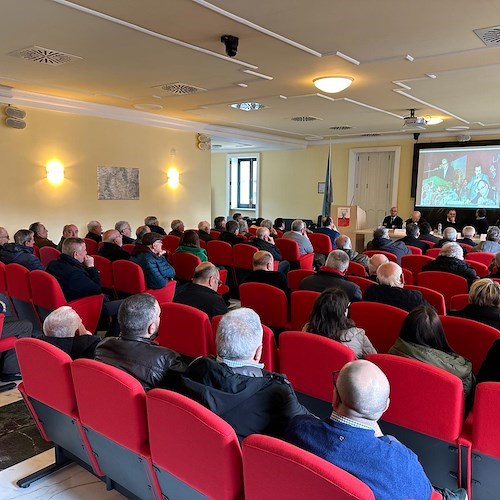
20, 254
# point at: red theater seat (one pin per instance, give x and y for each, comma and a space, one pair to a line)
105, 268
414, 264
321, 243
445, 283
289, 250
389, 255
435, 299
356, 269
483, 257
414, 250
48, 254
91, 246
295, 276
459, 301
170, 243
301, 303
184, 264
363, 283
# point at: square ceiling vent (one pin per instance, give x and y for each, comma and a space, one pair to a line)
44, 56
179, 88
489, 36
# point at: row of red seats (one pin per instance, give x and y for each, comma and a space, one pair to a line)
160, 444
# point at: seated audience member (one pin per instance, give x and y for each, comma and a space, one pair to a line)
64, 329
204, 231
269, 224
393, 221
492, 241
374, 262
494, 266
190, 243
298, 234
69, 231
235, 386
333, 274
390, 289
451, 260
21, 251
94, 229
426, 233
220, 223
12, 327
243, 229
154, 225
328, 228
449, 236
484, 303
263, 272
451, 220
279, 224
422, 337
177, 228
140, 232
151, 257
481, 224
468, 233
123, 227
416, 218
329, 318
202, 291
257, 222
381, 241
343, 242
490, 368
134, 351
4, 236
352, 439
111, 247
41, 233
237, 217
264, 241
411, 238
230, 234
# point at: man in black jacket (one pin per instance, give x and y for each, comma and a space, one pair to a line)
230, 235
112, 242
235, 386
381, 241
21, 252
411, 238
263, 272
134, 351
264, 241
393, 221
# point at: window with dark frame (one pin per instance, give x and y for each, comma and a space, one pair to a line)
247, 183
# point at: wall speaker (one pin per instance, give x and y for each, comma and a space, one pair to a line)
17, 113
15, 123
204, 142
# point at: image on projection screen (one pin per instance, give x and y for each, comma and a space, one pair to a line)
458, 177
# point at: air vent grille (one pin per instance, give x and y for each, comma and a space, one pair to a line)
489, 36
44, 56
305, 118
179, 88
341, 127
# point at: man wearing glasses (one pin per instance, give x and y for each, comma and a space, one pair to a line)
352, 439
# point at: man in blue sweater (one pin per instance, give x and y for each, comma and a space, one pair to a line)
351, 437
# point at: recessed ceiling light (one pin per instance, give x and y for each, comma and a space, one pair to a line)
148, 107
332, 84
247, 106
433, 120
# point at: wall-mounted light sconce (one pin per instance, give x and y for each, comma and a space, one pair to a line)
173, 177
55, 172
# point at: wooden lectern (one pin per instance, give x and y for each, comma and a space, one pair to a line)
350, 219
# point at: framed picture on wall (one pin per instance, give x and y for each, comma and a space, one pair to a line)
321, 187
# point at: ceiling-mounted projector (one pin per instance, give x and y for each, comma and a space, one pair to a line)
413, 122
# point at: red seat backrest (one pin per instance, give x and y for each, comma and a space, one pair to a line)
215, 234
46, 291
220, 253
186, 330
194, 444
243, 255
105, 268
269, 302
459, 301
414, 250
408, 276
321, 243
46, 372
485, 431
308, 361
128, 277
469, 338
414, 264
289, 249
48, 254
363, 283
480, 268
128, 247
447, 284
355, 269
433, 252
112, 403
91, 245
271, 465
3, 280
184, 264
295, 276
18, 282
381, 322
301, 303
483, 257
434, 298
389, 255
424, 398
170, 243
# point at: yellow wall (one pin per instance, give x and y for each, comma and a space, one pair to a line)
82, 143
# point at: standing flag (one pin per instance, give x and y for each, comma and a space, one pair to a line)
328, 196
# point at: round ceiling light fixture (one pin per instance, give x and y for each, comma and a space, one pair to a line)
433, 120
333, 84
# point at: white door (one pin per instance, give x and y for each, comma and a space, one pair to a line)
373, 184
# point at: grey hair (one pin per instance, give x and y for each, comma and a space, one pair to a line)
468, 232
243, 226
452, 250
267, 223
381, 232
176, 223
203, 272
35, 227
261, 232
62, 322
493, 233
151, 220
450, 233
298, 225
389, 274
92, 224
121, 225
135, 314
412, 229
23, 236
337, 259
239, 334
69, 246
204, 225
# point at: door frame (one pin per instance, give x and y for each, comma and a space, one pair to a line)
395, 173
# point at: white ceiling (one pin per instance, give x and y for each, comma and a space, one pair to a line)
126, 49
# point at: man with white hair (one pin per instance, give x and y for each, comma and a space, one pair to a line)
299, 235
63, 328
468, 233
264, 241
111, 248
352, 439
234, 384
154, 224
390, 289
332, 274
204, 231
343, 242
492, 243
374, 263
94, 229
381, 241
451, 260
449, 236
69, 231
123, 227
177, 228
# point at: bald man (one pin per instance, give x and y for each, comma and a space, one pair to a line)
390, 289
263, 271
111, 249
374, 263
351, 437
